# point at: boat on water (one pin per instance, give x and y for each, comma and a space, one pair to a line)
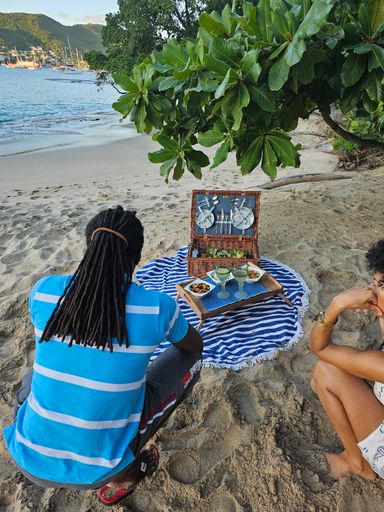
23, 64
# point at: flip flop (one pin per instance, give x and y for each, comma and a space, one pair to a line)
110, 495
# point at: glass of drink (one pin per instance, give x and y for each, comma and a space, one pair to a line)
240, 274
222, 274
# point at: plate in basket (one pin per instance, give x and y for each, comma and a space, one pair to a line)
212, 275
259, 272
192, 288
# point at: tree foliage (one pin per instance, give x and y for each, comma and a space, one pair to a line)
248, 77
141, 26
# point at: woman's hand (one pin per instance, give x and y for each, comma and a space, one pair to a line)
359, 298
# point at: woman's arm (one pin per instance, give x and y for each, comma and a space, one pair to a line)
367, 365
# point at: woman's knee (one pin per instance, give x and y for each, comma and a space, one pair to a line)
324, 374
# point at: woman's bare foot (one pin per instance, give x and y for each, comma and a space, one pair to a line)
340, 465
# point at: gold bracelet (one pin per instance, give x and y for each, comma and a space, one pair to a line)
324, 322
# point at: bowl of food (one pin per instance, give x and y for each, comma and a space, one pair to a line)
199, 288
213, 276
254, 274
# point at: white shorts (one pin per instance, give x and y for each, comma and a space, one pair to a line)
372, 447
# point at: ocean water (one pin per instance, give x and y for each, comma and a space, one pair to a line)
45, 108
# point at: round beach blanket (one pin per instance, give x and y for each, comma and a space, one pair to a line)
240, 338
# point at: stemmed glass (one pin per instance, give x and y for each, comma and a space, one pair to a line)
240, 274
222, 274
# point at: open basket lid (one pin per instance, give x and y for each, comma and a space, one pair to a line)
225, 213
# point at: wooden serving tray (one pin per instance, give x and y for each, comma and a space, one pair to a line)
274, 287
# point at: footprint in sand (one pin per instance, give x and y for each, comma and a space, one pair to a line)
247, 404
189, 467
222, 502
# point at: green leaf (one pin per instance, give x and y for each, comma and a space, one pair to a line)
153, 119
242, 99
280, 21
166, 168
166, 142
169, 83
264, 97
198, 156
295, 51
221, 154
179, 169
375, 11
353, 69
163, 155
362, 48
194, 168
174, 55
264, 21
251, 68
220, 91
364, 20
226, 50
216, 65
125, 82
351, 97
278, 50
140, 115
125, 104
252, 156
306, 67
369, 105
211, 25
269, 160
314, 19
210, 137
284, 149
372, 86
226, 16
160, 103
378, 53
278, 75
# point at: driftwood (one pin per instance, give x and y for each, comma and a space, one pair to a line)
282, 182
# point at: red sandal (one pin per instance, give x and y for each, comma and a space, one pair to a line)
111, 495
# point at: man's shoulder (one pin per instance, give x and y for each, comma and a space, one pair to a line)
51, 284
149, 296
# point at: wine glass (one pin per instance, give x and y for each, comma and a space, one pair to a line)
222, 274
240, 274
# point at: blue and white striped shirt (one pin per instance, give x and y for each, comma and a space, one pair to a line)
85, 404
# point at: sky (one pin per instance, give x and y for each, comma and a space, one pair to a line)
67, 12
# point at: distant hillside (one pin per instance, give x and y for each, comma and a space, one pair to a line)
24, 30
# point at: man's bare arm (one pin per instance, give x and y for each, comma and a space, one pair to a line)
192, 341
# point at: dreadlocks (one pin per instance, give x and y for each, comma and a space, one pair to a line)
91, 310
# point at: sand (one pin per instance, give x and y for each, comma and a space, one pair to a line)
244, 441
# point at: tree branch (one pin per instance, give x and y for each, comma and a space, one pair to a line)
362, 143
306, 178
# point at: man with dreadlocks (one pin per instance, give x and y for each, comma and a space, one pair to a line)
87, 411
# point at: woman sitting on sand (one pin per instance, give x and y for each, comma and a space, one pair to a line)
339, 379
92, 403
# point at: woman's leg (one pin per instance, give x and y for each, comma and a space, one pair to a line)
354, 412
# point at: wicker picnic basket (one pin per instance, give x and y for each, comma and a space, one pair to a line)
226, 207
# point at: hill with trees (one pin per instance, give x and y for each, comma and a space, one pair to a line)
22, 31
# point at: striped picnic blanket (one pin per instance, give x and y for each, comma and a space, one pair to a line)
240, 338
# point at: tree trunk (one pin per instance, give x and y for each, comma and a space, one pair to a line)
362, 143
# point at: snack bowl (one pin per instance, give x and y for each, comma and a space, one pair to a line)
212, 275
254, 274
197, 284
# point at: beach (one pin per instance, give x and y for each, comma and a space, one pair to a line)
243, 441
